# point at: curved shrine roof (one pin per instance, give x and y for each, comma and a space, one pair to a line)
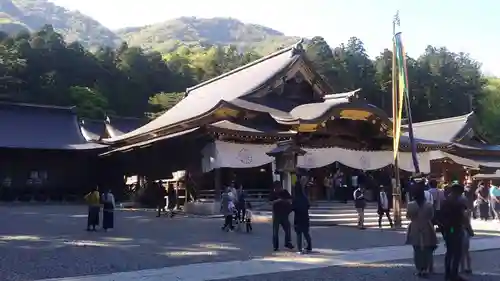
228, 87
92, 130
41, 127
443, 130
117, 126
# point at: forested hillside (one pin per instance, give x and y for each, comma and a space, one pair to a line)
42, 68
190, 31
31, 15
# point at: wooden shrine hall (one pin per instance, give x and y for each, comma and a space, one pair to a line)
43, 154
226, 126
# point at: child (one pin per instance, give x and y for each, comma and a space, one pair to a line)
248, 216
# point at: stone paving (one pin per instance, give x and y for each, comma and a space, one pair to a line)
40, 242
485, 265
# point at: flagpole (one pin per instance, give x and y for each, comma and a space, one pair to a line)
397, 183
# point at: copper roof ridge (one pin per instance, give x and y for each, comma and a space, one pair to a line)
444, 120
47, 106
125, 117
272, 55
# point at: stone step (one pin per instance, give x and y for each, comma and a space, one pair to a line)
339, 215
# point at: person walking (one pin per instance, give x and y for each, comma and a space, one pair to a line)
420, 233
454, 220
495, 202
94, 205
159, 196
171, 200
360, 205
227, 210
300, 207
383, 206
108, 210
241, 204
482, 194
281, 202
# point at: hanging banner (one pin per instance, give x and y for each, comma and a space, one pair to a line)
236, 155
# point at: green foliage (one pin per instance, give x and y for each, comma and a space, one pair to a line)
162, 102
195, 32
89, 102
40, 67
31, 15
490, 113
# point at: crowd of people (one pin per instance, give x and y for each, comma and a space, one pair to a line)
431, 210
445, 211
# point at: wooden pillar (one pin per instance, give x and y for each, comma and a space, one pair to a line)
287, 181
217, 184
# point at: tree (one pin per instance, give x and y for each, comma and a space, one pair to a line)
89, 102
321, 56
162, 102
39, 67
490, 109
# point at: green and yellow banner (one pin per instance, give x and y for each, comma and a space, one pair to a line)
403, 93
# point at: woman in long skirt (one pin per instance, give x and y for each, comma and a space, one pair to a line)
108, 211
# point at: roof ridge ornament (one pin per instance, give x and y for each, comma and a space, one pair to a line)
348, 95
298, 49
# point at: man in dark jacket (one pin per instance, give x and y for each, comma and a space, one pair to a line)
300, 206
159, 196
281, 202
454, 220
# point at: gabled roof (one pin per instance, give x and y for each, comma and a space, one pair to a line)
93, 130
207, 96
445, 130
41, 127
117, 126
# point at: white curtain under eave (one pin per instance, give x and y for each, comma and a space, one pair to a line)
221, 154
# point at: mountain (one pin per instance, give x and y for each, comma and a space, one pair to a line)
17, 15
31, 15
167, 35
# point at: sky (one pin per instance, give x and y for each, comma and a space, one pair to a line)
460, 25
